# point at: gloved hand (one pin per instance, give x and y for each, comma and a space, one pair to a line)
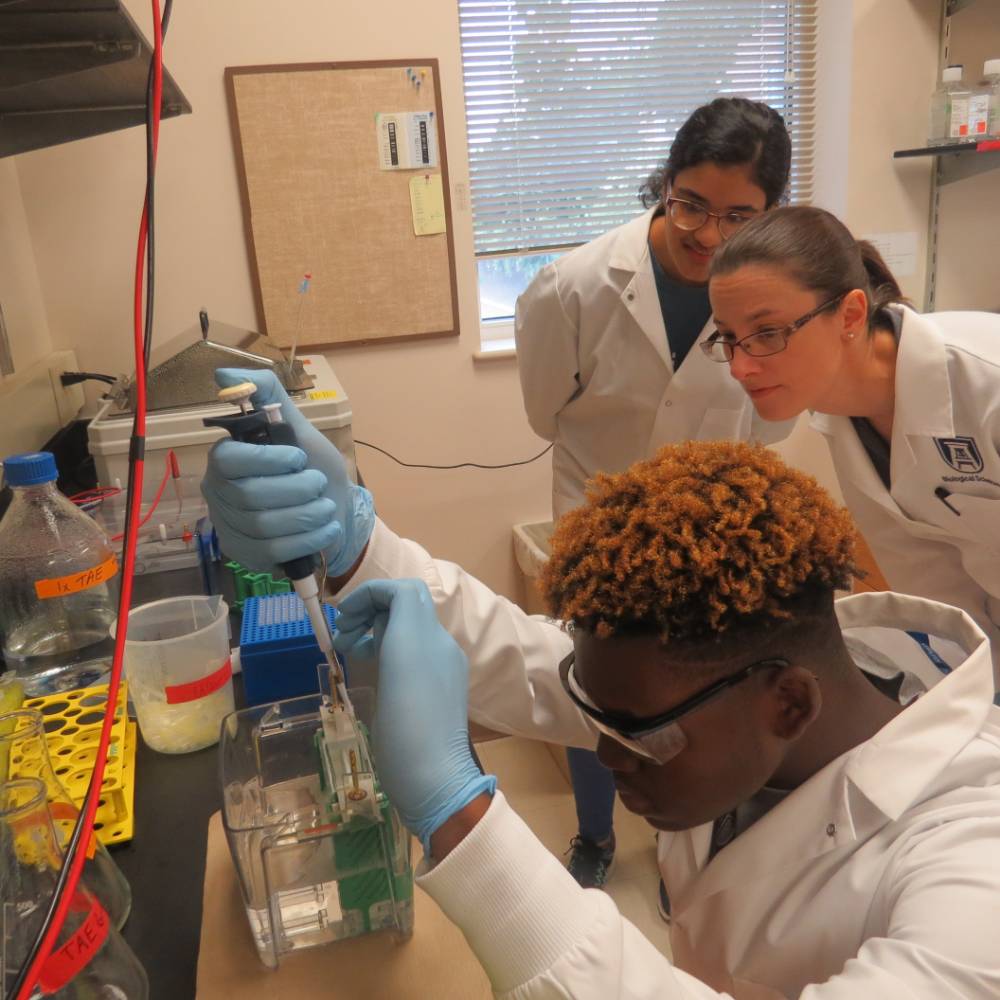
420, 735
273, 503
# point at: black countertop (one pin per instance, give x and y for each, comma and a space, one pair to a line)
175, 794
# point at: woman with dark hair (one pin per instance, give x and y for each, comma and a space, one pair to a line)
811, 319
604, 337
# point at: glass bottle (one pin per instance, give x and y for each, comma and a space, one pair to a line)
90, 960
23, 744
58, 582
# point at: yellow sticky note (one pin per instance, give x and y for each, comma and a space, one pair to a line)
427, 204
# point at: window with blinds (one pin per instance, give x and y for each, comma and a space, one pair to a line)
570, 104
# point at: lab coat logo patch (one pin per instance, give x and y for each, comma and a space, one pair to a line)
960, 453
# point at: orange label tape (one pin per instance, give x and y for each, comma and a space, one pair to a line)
59, 586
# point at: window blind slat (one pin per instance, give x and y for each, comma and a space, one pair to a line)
570, 104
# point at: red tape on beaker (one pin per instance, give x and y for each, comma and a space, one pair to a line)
67, 961
177, 694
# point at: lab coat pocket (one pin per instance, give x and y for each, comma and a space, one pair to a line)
974, 518
729, 425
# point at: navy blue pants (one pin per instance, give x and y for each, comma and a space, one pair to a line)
594, 790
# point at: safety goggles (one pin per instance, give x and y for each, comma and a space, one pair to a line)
658, 738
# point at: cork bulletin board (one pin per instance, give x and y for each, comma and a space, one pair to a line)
317, 201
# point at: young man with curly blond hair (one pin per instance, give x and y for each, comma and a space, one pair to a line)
826, 773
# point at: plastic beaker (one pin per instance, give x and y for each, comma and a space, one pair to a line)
180, 677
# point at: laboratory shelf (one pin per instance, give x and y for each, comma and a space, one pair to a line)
959, 159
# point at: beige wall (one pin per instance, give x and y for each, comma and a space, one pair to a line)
20, 293
893, 66
428, 402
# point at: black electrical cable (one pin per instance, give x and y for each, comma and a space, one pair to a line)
458, 465
131, 510
74, 378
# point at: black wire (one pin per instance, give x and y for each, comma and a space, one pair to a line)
458, 465
130, 511
74, 378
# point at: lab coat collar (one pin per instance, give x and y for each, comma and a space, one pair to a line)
874, 783
923, 390
630, 247
904, 757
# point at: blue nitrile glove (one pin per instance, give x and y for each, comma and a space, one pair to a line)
273, 503
420, 736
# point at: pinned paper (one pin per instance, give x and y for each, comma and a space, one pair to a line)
407, 140
898, 250
427, 205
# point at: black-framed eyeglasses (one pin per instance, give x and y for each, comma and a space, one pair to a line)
689, 215
659, 737
722, 346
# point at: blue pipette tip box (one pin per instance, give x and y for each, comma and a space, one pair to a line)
278, 650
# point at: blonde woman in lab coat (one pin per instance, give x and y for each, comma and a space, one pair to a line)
811, 319
604, 348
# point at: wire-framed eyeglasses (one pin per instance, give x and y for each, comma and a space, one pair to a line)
689, 215
658, 738
722, 346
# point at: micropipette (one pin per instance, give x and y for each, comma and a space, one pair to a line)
267, 426
355, 789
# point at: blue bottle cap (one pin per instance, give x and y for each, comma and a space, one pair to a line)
30, 469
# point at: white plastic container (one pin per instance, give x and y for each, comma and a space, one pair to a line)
180, 676
532, 548
326, 406
984, 106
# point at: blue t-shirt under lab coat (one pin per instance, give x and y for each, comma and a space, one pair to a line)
685, 311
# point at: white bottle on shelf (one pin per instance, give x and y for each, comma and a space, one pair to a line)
943, 107
984, 104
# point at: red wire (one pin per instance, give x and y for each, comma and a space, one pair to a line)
169, 466
125, 600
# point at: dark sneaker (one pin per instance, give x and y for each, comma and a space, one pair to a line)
663, 903
589, 863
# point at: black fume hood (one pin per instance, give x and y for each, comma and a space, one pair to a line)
70, 69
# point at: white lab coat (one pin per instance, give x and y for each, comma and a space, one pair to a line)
945, 435
877, 878
596, 373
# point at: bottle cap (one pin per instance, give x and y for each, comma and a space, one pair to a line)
30, 469
952, 74
991, 67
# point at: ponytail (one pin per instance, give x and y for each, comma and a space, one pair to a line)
885, 289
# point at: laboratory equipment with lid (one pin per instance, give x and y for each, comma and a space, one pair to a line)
183, 392
58, 582
89, 958
320, 853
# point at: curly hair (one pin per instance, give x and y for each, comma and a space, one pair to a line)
706, 537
